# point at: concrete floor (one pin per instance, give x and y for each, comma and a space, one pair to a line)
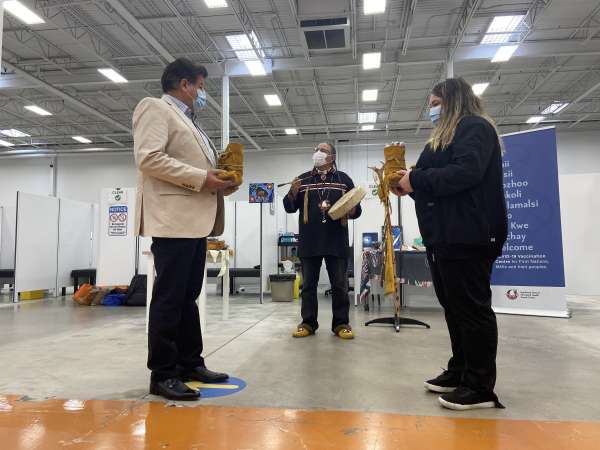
548, 368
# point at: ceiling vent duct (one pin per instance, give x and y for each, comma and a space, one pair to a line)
325, 25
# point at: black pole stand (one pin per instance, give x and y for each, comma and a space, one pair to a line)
398, 321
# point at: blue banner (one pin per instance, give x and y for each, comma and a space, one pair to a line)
533, 253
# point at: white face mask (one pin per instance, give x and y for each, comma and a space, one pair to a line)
435, 112
319, 158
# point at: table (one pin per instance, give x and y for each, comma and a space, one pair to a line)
212, 256
90, 274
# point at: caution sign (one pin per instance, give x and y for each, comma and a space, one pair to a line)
230, 387
117, 220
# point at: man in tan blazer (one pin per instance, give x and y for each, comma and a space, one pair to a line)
179, 204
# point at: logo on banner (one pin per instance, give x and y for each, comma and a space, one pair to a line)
117, 220
512, 294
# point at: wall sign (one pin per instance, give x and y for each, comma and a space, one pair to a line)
117, 196
117, 220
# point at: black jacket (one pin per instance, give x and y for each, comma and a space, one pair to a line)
318, 238
459, 194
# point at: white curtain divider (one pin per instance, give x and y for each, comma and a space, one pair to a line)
7, 239
75, 239
36, 243
95, 234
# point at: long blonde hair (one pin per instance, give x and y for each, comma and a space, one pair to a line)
458, 101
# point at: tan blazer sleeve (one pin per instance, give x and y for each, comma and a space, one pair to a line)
150, 138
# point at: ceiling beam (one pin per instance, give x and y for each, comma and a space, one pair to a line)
168, 57
408, 27
66, 97
581, 97
467, 12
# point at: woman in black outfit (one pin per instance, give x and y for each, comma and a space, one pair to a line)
459, 200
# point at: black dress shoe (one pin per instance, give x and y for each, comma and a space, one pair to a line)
173, 389
204, 375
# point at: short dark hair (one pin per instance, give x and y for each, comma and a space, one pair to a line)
181, 69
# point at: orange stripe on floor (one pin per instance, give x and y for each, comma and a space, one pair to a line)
114, 424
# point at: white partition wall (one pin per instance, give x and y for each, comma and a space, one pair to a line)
95, 233
36, 243
8, 219
117, 241
247, 234
581, 223
75, 239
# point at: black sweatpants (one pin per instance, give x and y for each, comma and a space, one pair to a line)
337, 268
174, 335
463, 288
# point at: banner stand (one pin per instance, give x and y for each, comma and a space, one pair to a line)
529, 277
534, 312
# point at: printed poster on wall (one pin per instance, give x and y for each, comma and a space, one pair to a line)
117, 220
529, 277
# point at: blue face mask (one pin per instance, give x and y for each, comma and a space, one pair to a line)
435, 113
200, 100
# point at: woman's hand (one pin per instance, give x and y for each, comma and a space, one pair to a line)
405, 186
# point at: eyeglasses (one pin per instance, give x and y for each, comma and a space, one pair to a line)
323, 149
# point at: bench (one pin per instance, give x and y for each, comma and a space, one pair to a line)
233, 273
76, 274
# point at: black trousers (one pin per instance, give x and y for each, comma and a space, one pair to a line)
174, 335
337, 268
463, 288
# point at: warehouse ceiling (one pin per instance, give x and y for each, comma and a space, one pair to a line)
312, 51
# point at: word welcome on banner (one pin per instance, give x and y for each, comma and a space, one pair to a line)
529, 277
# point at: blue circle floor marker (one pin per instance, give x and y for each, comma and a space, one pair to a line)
214, 390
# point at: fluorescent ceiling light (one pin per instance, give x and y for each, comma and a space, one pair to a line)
555, 108
4, 143
240, 42
535, 119
242, 46
291, 131
255, 68
14, 133
370, 95
371, 60
499, 38
504, 53
374, 7
215, 3
502, 29
22, 12
479, 88
113, 75
272, 100
81, 139
39, 111
367, 117
504, 24
367, 128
